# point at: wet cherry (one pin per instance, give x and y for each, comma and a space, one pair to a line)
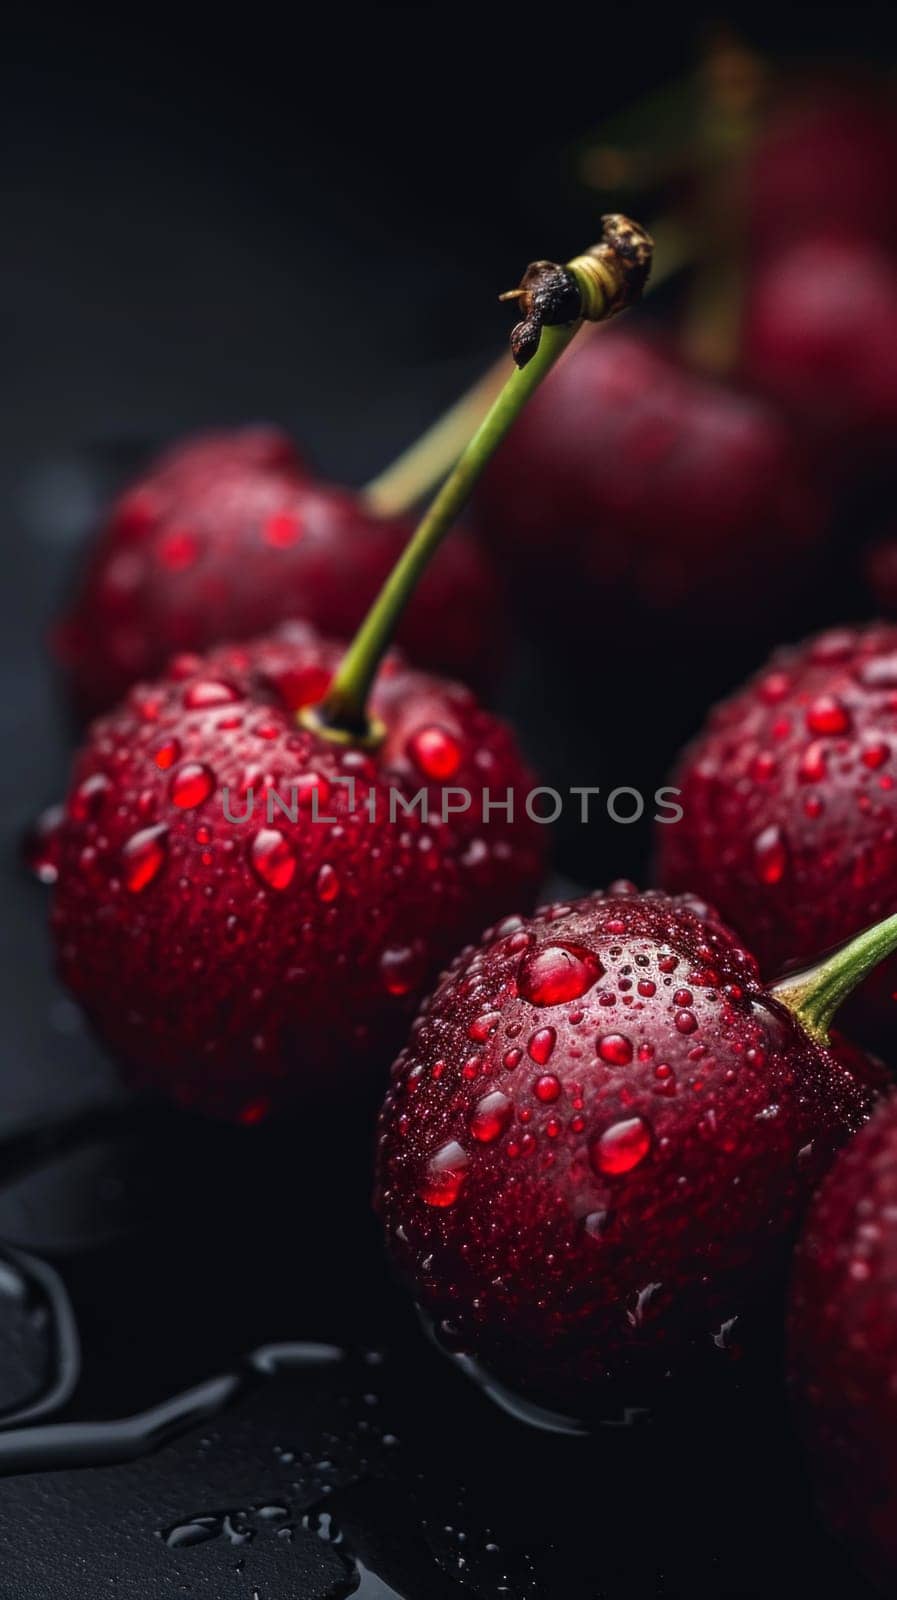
241, 930
601, 1221
843, 1342
226, 535
789, 799
275, 870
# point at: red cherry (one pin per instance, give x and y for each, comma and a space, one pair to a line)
827, 161
232, 961
648, 479
843, 1342
227, 535
790, 808
611, 1217
820, 334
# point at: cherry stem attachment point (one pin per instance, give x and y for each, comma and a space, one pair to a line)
419, 469
554, 301
815, 994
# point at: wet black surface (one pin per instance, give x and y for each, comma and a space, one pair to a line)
373, 1466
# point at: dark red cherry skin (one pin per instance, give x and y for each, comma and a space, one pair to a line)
227, 535
652, 482
789, 799
843, 1342
598, 1142
241, 964
820, 335
827, 161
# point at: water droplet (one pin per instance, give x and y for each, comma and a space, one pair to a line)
327, 884
541, 1045
483, 1027
167, 754
771, 855
812, 767
40, 846
272, 859
874, 751
558, 973
87, 799
620, 1147
646, 988
547, 1088
143, 857
490, 1117
445, 1176
615, 1048
827, 715
178, 550
686, 1021
282, 530
209, 692
191, 785
401, 968
436, 752
774, 687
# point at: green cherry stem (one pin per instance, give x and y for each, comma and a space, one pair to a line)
555, 300
816, 994
418, 470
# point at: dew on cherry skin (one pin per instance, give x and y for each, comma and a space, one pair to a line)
547, 1088
558, 973
813, 764
615, 1049
541, 1046
874, 751
771, 855
827, 715
445, 1175
209, 692
191, 785
178, 550
282, 530
621, 1147
144, 856
435, 752
327, 884
483, 1027
491, 1117
87, 799
272, 859
40, 845
167, 754
400, 968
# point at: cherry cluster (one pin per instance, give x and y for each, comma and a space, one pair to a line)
609, 1117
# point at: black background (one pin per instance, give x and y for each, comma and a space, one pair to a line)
306, 219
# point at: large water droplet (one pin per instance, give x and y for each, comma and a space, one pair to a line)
620, 1147
558, 973
209, 692
191, 785
827, 715
541, 1046
490, 1117
771, 855
615, 1048
272, 859
445, 1175
436, 752
143, 857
